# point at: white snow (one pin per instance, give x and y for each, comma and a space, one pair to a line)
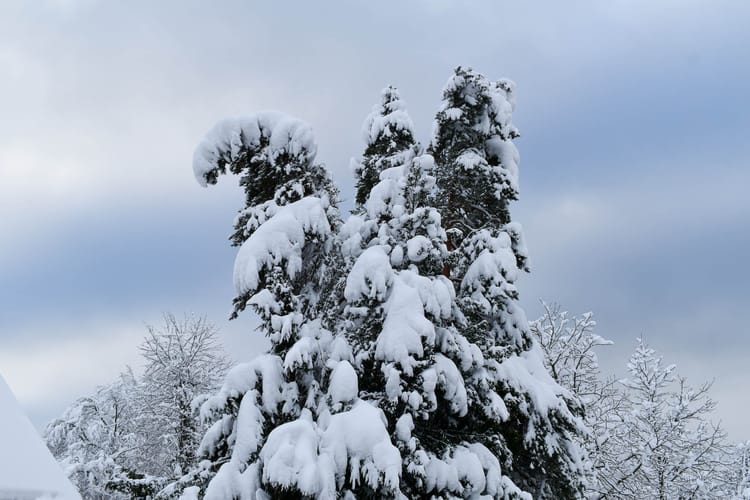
527, 373
496, 262
472, 471
370, 276
27, 468
314, 460
246, 427
404, 328
279, 241
223, 143
344, 385
395, 117
418, 248
290, 457
358, 439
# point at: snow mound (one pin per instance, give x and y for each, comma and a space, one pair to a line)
27, 468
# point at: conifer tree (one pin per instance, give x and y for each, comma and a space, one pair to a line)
389, 136
477, 178
400, 365
411, 360
289, 424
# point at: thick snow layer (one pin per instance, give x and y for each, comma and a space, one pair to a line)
279, 241
370, 276
418, 248
27, 468
190, 493
451, 381
507, 153
496, 262
344, 385
246, 428
227, 139
315, 461
229, 482
385, 193
437, 294
405, 329
290, 458
472, 471
358, 440
527, 374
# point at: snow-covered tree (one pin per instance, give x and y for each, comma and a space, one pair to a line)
389, 135
650, 436
477, 163
738, 475
289, 423
184, 362
667, 446
400, 364
477, 178
569, 345
132, 437
410, 359
95, 438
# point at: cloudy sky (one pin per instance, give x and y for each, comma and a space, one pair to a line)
634, 118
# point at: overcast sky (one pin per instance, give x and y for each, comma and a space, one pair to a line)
634, 118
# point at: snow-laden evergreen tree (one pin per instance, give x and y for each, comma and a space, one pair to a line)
477, 162
289, 424
400, 320
400, 364
477, 178
666, 445
389, 137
